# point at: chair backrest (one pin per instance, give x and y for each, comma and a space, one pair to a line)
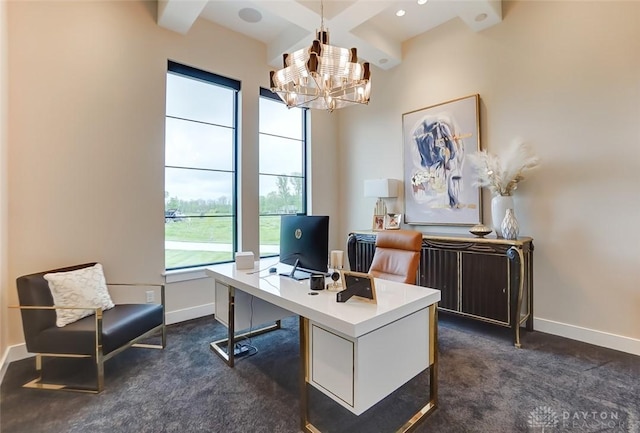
397, 255
33, 290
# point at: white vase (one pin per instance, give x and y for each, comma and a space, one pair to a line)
510, 227
499, 206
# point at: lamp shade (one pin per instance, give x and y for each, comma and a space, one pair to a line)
381, 188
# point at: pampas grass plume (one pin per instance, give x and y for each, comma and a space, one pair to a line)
501, 174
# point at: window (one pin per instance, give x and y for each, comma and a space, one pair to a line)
283, 184
200, 168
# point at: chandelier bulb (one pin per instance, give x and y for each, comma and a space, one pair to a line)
366, 75
312, 64
271, 81
354, 55
316, 48
323, 36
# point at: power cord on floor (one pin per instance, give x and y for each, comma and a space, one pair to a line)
246, 350
242, 350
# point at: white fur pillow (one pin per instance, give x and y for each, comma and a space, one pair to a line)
84, 287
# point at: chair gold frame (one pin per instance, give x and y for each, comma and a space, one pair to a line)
100, 358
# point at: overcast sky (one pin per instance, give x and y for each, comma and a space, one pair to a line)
209, 145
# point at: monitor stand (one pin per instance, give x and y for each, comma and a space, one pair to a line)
297, 274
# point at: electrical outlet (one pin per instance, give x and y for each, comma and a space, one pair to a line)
151, 297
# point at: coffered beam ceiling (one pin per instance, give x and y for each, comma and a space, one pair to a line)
369, 25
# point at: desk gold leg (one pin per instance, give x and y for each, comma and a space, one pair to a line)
305, 424
227, 353
420, 416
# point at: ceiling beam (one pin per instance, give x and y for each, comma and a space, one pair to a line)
371, 45
179, 15
350, 27
480, 15
293, 12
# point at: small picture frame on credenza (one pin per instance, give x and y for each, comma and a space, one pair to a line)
378, 223
392, 221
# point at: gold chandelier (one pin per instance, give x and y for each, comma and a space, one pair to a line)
322, 76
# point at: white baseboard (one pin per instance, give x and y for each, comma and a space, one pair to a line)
13, 353
189, 313
586, 335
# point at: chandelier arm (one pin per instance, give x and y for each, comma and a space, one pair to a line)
303, 103
351, 101
318, 84
335, 93
303, 92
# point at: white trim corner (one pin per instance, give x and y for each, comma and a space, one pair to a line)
13, 353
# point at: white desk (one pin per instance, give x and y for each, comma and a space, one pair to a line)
354, 352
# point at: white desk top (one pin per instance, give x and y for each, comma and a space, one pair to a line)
353, 318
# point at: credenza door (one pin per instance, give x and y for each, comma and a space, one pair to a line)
439, 270
486, 286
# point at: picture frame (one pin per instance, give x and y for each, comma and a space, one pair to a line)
378, 223
359, 285
392, 221
438, 179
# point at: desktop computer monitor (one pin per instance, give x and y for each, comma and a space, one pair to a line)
304, 244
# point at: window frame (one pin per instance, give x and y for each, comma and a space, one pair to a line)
232, 84
266, 93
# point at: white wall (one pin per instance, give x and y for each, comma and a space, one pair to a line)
566, 77
86, 109
4, 285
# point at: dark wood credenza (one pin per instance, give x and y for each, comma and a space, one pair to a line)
488, 279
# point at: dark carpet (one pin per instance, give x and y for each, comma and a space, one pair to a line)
485, 385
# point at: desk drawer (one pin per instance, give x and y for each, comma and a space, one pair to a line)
331, 358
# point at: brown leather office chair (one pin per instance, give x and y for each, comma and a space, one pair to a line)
99, 336
397, 255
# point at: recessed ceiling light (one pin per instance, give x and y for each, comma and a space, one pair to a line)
421, 2
481, 17
400, 13
250, 15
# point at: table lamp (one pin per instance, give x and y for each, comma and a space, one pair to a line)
381, 189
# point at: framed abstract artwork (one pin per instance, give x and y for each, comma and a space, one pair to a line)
438, 180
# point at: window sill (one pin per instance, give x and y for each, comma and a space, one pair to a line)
180, 275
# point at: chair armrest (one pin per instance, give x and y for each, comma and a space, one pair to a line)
136, 284
54, 307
